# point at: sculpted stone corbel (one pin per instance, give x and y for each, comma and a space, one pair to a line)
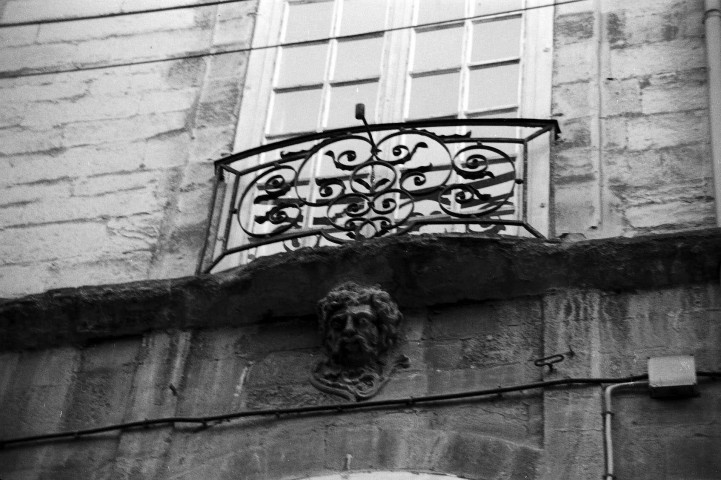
359, 326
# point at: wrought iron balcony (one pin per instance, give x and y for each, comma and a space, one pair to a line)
369, 181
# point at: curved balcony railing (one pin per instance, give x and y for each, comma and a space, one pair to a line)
369, 181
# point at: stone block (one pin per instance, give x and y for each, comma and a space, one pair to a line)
167, 101
576, 133
259, 340
573, 28
61, 241
51, 114
22, 10
103, 269
510, 419
127, 129
118, 26
462, 380
665, 130
283, 368
621, 97
656, 58
574, 63
27, 194
489, 320
166, 151
232, 65
571, 323
210, 143
692, 212
19, 36
19, 280
444, 355
19, 140
478, 456
576, 207
220, 102
214, 367
117, 182
80, 208
571, 100
657, 22
159, 375
149, 45
675, 92
652, 168
38, 57
614, 133
574, 165
35, 391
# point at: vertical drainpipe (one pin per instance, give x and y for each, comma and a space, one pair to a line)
712, 30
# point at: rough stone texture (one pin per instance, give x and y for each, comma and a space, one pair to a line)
106, 173
160, 349
415, 270
629, 90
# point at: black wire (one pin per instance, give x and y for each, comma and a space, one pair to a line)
44, 21
31, 73
403, 402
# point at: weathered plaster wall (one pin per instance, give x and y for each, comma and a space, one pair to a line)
105, 174
629, 90
462, 335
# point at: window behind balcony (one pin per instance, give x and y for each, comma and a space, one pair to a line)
403, 59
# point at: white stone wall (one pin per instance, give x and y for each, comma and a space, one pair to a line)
630, 93
105, 173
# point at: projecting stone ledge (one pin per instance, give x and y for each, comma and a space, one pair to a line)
416, 270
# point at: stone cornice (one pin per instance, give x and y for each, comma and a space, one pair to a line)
416, 270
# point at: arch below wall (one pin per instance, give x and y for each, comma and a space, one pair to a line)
302, 451
383, 475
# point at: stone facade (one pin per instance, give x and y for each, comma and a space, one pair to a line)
106, 172
105, 178
244, 340
629, 89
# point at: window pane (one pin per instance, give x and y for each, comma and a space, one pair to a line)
496, 39
360, 16
493, 87
437, 49
295, 111
358, 59
439, 10
343, 100
302, 65
434, 96
490, 7
308, 21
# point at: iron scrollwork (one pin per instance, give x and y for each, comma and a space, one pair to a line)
350, 188
379, 180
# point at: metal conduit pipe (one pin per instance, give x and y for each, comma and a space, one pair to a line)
607, 414
712, 30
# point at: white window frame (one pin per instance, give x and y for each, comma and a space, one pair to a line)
535, 98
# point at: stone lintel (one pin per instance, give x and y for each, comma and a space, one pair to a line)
417, 271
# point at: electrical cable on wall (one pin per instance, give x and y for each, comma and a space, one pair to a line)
343, 407
213, 53
45, 21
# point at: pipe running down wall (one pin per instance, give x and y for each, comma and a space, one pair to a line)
712, 29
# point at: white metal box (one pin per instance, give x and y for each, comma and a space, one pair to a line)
673, 376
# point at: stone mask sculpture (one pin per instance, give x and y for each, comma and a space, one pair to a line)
359, 325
